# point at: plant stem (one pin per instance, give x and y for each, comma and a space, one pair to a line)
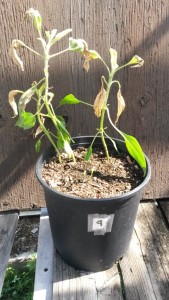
58, 53
101, 128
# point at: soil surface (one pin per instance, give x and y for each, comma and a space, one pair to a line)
97, 178
26, 236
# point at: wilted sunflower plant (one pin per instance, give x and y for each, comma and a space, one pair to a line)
40, 92
101, 102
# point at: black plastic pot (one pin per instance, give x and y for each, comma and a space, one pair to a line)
91, 234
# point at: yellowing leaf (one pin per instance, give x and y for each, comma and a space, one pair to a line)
136, 62
99, 102
11, 99
121, 105
13, 53
88, 56
113, 59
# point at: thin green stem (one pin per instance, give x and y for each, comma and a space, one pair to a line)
58, 53
108, 114
30, 49
105, 64
101, 129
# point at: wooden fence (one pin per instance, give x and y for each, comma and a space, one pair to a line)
131, 27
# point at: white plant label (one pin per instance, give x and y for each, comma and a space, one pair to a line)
100, 224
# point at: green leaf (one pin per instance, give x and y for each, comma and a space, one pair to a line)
60, 35
38, 145
135, 151
69, 99
88, 154
26, 120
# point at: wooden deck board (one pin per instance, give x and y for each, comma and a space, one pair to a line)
164, 204
147, 273
43, 288
142, 273
8, 224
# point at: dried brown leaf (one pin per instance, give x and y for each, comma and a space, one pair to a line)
11, 99
121, 105
13, 53
88, 56
99, 102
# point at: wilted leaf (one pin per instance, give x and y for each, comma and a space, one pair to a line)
36, 18
135, 151
88, 154
113, 59
136, 62
99, 102
120, 106
38, 145
26, 120
13, 53
26, 97
77, 45
39, 129
50, 95
88, 56
69, 99
11, 99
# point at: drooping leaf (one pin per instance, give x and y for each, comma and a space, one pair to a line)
88, 56
136, 62
26, 97
113, 59
26, 120
12, 102
69, 99
99, 102
60, 35
88, 154
78, 45
120, 105
14, 55
39, 129
37, 19
135, 151
38, 145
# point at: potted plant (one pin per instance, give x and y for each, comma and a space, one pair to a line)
92, 185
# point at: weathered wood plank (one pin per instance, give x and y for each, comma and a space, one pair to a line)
164, 205
145, 267
43, 287
70, 283
8, 224
65, 281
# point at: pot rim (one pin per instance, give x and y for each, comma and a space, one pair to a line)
40, 162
